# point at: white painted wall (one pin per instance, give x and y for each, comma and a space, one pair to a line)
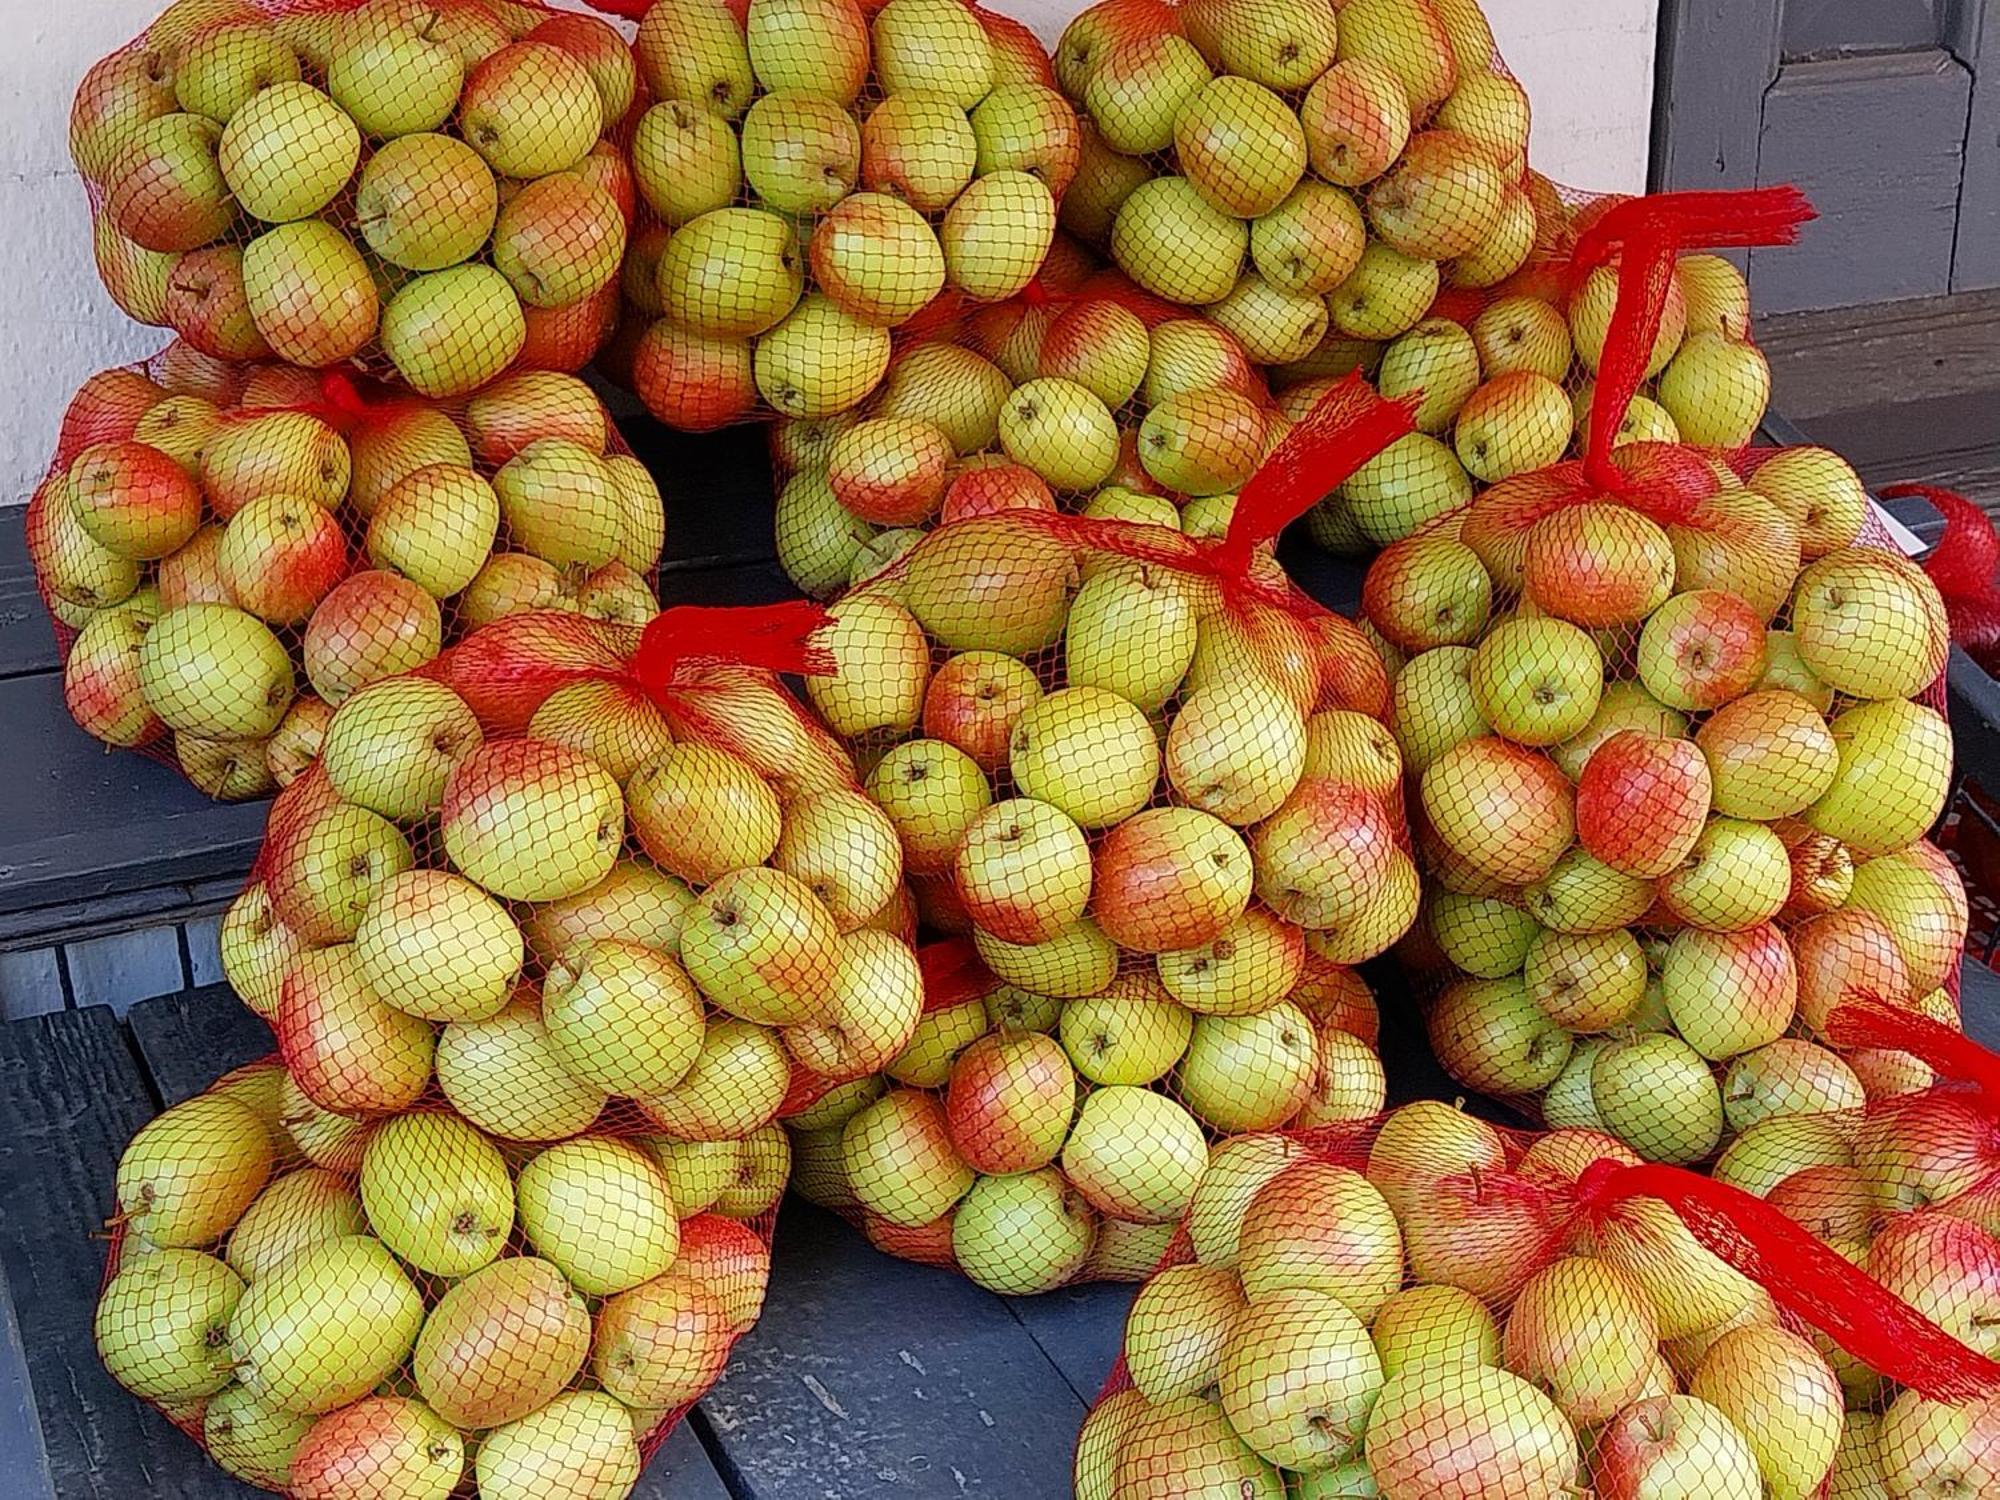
1588, 67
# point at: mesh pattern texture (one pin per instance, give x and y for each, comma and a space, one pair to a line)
427, 187
231, 551
1425, 1307
1142, 780
814, 175
544, 935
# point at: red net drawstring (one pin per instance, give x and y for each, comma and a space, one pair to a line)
1647, 235
625, 10
1805, 1277
774, 637
1346, 427
953, 974
1950, 1054
1965, 558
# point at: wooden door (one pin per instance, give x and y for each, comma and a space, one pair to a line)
1887, 113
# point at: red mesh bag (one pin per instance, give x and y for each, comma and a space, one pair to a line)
410, 1305
1345, 185
1678, 741
1101, 400
544, 935
812, 175
427, 187
231, 550
1425, 1307
1143, 775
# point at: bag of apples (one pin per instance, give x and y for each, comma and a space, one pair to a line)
1345, 185
1425, 1307
813, 173
1143, 774
229, 557
430, 189
1677, 742
413, 1305
1103, 401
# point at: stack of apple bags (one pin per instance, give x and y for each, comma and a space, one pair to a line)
1427, 1307
240, 532
1145, 778
544, 934
813, 174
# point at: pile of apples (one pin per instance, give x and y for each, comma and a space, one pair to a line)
423, 184
416, 1307
816, 178
1404, 1312
1166, 839
1674, 782
1346, 187
237, 557
1092, 404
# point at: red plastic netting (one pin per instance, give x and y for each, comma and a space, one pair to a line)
427, 187
1674, 717
815, 174
1423, 1306
230, 551
1144, 777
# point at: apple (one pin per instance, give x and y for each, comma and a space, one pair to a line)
954, 388
288, 152
1785, 1077
1729, 991
217, 671
1135, 1154
310, 293
932, 46
585, 1436
920, 148
251, 1439
1445, 1429
932, 792
1737, 541
1023, 870
1676, 1447
1717, 296
450, 332
161, 1325
1438, 362
389, 448
846, 850
1103, 180
566, 1190
279, 556
1523, 333
1088, 752
697, 51
1700, 649
1323, 1227
1247, 967
1102, 346
1356, 117
1132, 1033
165, 191
501, 1343
1297, 1377
204, 302
877, 257
900, 1161
1585, 981
392, 745
1818, 491
1869, 624
1239, 145
1930, 1445
1022, 1234
1166, 1450
385, 1443
1778, 1390
736, 1086
1176, 244
1026, 126
532, 821
1203, 442
188, 1175
1136, 93
1642, 804
1537, 681
1491, 1035
118, 96
1889, 743
1585, 1333
1590, 311
1716, 389
349, 1050
326, 1327
530, 109
437, 1193
762, 946
1408, 484
1485, 795
1656, 1094
371, 625
952, 580
819, 359
1923, 908
662, 1344
558, 240
389, 68
1177, 1328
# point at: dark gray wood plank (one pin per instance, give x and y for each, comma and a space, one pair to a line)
187, 1041
1876, 142
1716, 58
871, 1377
1979, 1002
1892, 352
27, 637
1952, 441
24, 1461
71, 1096
1830, 27
1080, 1328
1976, 40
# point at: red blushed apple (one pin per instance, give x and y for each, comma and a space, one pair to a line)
1487, 1234
1830, 1203
270, 386
927, 1244
1351, 673
133, 499
1701, 649
1009, 1103
1334, 995
891, 470
281, 555
1642, 802
1508, 812
106, 409
373, 624
1845, 956
570, 336
1926, 1149
1322, 857
981, 489
974, 700
1598, 565
1129, 473
692, 382
727, 1257
186, 371
1169, 878
609, 169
